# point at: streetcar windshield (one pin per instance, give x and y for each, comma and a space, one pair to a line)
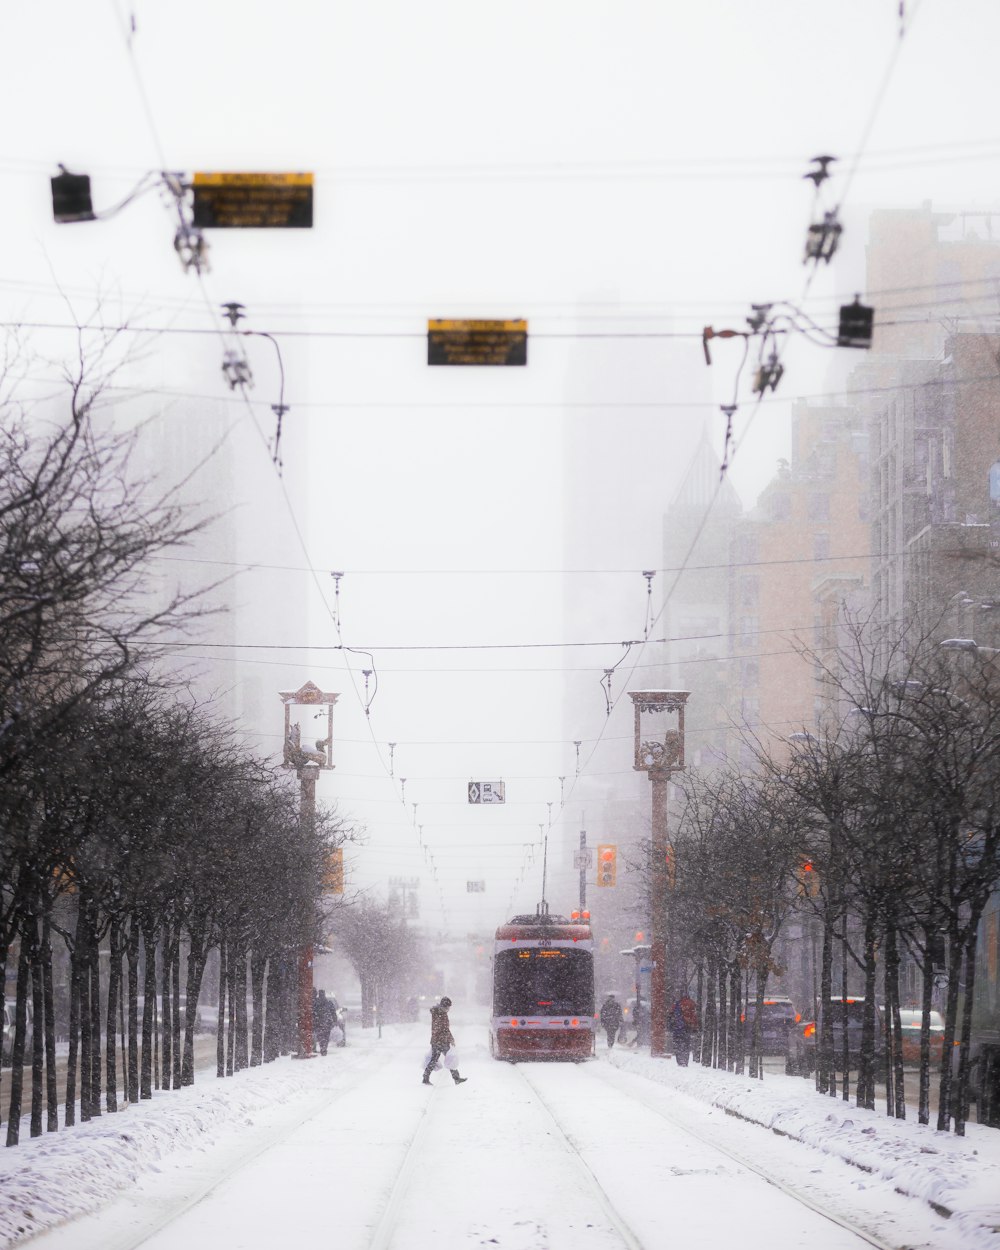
543, 981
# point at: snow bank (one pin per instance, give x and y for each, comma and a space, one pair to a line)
959, 1177
47, 1180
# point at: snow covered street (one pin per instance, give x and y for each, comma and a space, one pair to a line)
352, 1150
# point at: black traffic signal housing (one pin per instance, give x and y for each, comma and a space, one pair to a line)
71, 197
607, 863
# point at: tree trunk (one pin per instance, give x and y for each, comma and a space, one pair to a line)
722, 1047
82, 972
826, 1081
114, 989
148, 1008
231, 995
74, 1039
950, 1018
866, 1060
272, 1011
175, 977
132, 954
895, 1074
258, 969
195, 971
242, 1057
17, 1050
736, 1046
166, 1031
962, 1092
51, 1089
927, 998
37, 1030
95, 1027
220, 1033
709, 1029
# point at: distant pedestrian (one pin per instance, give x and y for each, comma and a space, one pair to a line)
612, 1018
683, 1022
324, 1018
442, 1044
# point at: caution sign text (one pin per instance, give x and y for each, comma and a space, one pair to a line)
477, 342
253, 201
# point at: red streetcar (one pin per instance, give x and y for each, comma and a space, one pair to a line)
543, 988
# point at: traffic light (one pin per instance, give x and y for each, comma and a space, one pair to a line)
333, 877
607, 863
71, 197
808, 879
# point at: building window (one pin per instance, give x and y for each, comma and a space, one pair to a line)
819, 508
780, 505
995, 483
747, 631
749, 673
821, 545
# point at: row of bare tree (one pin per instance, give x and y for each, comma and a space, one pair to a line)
882, 827
137, 835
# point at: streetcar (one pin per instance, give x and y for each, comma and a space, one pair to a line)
543, 988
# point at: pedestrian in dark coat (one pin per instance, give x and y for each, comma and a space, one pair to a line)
441, 1041
324, 1016
683, 1022
612, 1017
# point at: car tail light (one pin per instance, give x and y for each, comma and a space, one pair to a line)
809, 1030
574, 1023
513, 1024
743, 1018
798, 1017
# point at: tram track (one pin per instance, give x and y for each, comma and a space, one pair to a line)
573, 1152
790, 1191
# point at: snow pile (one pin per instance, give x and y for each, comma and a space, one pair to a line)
47, 1180
959, 1177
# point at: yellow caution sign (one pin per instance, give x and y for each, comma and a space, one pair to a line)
242, 201
477, 342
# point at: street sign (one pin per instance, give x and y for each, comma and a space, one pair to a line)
253, 201
475, 887
486, 792
404, 883
477, 342
583, 859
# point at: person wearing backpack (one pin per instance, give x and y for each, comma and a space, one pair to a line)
683, 1022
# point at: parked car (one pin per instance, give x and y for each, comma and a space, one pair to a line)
910, 1020
846, 1013
778, 1019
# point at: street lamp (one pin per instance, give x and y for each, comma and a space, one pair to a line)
308, 759
659, 752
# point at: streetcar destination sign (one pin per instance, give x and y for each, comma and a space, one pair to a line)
486, 792
253, 201
477, 342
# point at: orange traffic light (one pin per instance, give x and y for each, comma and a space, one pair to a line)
607, 863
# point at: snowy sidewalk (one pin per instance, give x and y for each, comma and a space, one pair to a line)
49, 1180
958, 1177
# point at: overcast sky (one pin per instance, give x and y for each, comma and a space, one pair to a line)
617, 174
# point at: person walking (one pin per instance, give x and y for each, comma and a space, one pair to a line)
324, 1014
442, 1043
683, 1022
612, 1017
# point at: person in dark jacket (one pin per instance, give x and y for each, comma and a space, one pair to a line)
441, 1041
324, 1018
612, 1017
683, 1022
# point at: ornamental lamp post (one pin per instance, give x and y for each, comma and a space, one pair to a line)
308, 758
659, 752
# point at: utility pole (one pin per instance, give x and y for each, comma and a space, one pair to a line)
308, 759
583, 870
